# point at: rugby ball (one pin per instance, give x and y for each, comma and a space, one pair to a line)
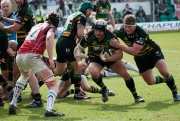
107, 52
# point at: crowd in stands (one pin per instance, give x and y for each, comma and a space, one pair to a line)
165, 10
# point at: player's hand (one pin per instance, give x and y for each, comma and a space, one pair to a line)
11, 52
51, 64
101, 56
114, 43
83, 66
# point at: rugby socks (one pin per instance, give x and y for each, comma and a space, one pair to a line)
17, 91
159, 79
131, 86
51, 97
40, 83
171, 84
99, 82
129, 66
77, 84
69, 92
37, 97
95, 90
5, 84
20, 84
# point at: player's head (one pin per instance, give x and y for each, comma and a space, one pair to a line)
86, 8
100, 25
6, 7
129, 23
20, 2
103, 1
53, 17
100, 28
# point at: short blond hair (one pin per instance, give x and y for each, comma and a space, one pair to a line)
130, 20
6, 1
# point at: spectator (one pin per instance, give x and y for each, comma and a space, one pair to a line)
76, 4
162, 8
40, 18
141, 15
176, 4
70, 4
117, 16
34, 3
44, 4
127, 10
62, 8
51, 3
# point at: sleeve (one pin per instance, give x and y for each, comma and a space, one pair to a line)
84, 42
142, 36
21, 17
81, 20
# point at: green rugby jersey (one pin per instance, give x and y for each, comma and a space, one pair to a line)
25, 17
95, 47
70, 26
102, 10
139, 37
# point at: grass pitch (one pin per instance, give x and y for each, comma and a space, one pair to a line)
159, 105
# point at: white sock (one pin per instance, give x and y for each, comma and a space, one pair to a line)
129, 66
17, 91
51, 97
108, 73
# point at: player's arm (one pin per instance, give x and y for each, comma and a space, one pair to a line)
49, 46
8, 20
12, 28
134, 50
80, 31
111, 19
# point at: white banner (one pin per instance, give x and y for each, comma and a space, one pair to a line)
151, 26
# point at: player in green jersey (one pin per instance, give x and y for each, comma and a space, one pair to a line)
147, 54
73, 31
95, 41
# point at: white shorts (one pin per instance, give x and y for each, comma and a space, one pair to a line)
29, 61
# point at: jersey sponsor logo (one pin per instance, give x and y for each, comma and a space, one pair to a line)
140, 40
97, 48
103, 11
19, 19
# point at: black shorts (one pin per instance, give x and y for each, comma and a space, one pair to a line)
149, 61
65, 50
3, 46
99, 61
65, 77
3, 66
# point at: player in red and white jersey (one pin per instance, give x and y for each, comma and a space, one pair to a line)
29, 58
35, 41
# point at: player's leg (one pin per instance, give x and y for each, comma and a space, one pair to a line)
43, 73
37, 101
169, 80
52, 85
94, 70
120, 69
88, 88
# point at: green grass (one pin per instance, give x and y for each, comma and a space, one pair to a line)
159, 105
